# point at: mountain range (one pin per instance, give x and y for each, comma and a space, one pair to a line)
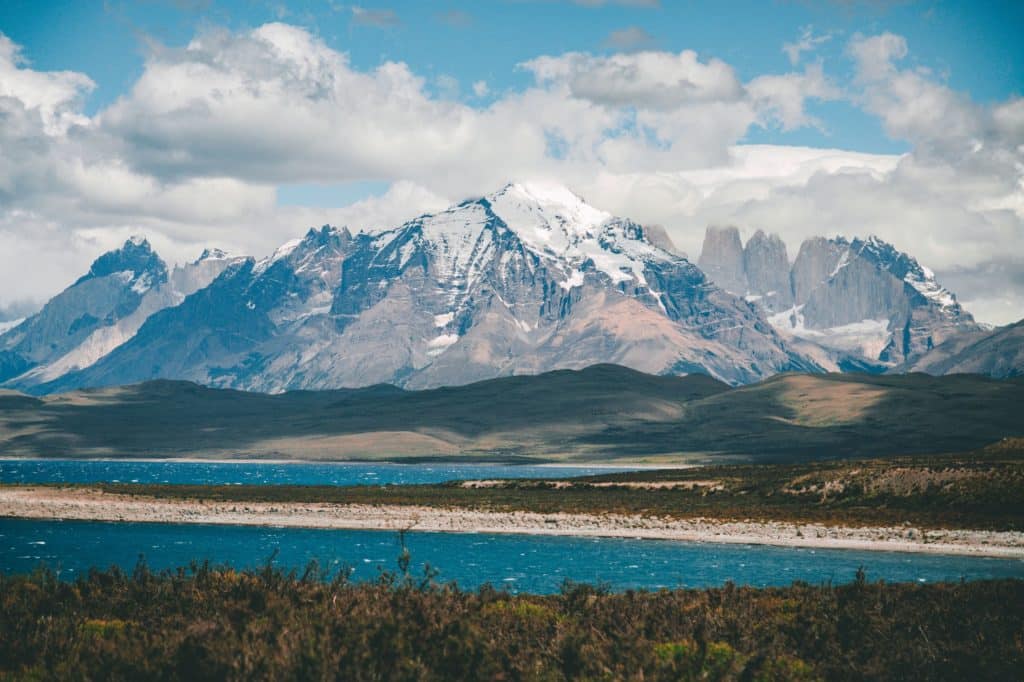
525, 280
862, 299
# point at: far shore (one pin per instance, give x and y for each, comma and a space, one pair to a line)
53, 503
640, 465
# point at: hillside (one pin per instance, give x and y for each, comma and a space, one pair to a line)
599, 413
997, 353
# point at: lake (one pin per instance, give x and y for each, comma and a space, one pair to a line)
271, 473
518, 562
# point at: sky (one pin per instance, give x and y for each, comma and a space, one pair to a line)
242, 123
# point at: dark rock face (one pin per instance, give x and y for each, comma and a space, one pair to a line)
758, 271
766, 267
136, 256
814, 265
721, 259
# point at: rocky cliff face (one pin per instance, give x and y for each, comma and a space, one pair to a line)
863, 300
997, 353
872, 281
112, 289
766, 268
815, 263
527, 279
721, 259
99, 312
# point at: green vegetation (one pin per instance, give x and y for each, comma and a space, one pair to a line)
206, 623
599, 413
980, 490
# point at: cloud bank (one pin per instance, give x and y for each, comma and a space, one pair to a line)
194, 153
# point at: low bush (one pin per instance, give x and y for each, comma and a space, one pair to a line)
210, 623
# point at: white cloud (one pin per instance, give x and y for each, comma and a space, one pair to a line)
652, 80
193, 153
53, 95
783, 96
807, 42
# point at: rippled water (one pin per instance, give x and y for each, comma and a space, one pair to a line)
518, 562
269, 473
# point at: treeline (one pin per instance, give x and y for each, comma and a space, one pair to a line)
209, 623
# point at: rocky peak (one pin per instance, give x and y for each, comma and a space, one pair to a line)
766, 266
210, 255
328, 235
658, 236
136, 257
721, 258
816, 262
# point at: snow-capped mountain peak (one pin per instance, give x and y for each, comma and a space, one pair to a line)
547, 220
538, 211
557, 224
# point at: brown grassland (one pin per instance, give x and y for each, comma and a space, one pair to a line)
204, 623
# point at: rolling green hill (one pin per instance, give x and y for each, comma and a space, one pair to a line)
600, 413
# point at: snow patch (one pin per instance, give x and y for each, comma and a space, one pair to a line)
143, 284
575, 280
866, 337
925, 284
844, 260
556, 224
282, 251
443, 320
440, 344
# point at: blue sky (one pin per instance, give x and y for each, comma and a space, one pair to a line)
974, 46
240, 123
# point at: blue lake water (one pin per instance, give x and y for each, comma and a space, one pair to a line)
270, 473
517, 562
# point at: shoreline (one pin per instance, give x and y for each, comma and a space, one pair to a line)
552, 464
92, 505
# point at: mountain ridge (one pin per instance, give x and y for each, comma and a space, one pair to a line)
528, 279
867, 303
